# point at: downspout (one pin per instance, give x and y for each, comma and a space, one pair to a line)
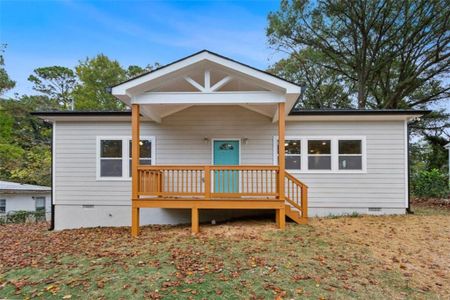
408, 134
52, 205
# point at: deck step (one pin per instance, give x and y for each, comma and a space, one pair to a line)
294, 215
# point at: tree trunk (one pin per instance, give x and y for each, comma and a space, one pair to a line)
361, 91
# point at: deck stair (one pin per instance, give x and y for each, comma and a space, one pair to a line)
296, 199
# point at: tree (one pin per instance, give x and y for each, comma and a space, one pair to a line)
387, 50
96, 75
134, 70
57, 83
324, 88
24, 141
5, 82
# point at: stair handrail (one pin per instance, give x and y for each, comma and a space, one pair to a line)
303, 207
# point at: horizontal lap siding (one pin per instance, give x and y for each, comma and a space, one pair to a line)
180, 140
384, 183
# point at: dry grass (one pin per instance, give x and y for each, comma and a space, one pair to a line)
395, 257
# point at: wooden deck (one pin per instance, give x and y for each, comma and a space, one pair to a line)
216, 187
220, 187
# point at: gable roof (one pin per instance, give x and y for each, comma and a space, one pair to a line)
196, 54
14, 187
148, 81
205, 78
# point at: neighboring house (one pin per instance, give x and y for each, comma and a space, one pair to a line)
16, 197
209, 129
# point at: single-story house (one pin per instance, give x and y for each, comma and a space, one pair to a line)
212, 134
24, 197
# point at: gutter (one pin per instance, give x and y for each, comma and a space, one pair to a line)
408, 137
52, 211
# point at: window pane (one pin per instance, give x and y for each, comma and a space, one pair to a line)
350, 147
145, 149
111, 148
142, 162
319, 147
292, 162
2, 206
319, 162
40, 203
292, 147
350, 163
111, 168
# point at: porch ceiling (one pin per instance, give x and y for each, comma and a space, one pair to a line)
206, 78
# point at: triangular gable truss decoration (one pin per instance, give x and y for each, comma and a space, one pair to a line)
206, 78
207, 85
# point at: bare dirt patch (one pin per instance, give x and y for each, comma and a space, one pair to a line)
417, 246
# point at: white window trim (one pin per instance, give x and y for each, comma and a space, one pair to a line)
334, 154
125, 156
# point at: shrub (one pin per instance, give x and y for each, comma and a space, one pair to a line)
432, 183
19, 216
23, 216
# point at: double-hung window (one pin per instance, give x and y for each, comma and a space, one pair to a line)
319, 154
293, 154
350, 155
338, 154
40, 204
145, 153
111, 154
2, 206
114, 156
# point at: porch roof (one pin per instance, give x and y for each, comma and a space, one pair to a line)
206, 78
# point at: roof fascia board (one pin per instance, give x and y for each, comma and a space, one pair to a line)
209, 98
352, 117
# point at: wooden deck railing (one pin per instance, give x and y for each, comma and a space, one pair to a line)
208, 181
220, 182
296, 194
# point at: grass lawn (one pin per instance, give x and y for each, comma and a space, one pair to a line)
392, 257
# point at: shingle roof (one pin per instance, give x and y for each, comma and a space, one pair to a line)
8, 186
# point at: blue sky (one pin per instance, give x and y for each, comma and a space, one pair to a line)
45, 33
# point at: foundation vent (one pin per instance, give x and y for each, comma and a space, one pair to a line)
87, 206
374, 209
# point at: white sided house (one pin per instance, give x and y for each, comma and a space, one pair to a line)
208, 129
24, 197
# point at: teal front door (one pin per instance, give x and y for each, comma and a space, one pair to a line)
226, 153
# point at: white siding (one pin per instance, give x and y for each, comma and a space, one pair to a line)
180, 140
383, 186
25, 201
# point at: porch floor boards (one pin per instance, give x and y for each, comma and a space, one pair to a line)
211, 203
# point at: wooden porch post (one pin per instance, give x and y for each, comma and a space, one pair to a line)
135, 139
281, 218
195, 221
